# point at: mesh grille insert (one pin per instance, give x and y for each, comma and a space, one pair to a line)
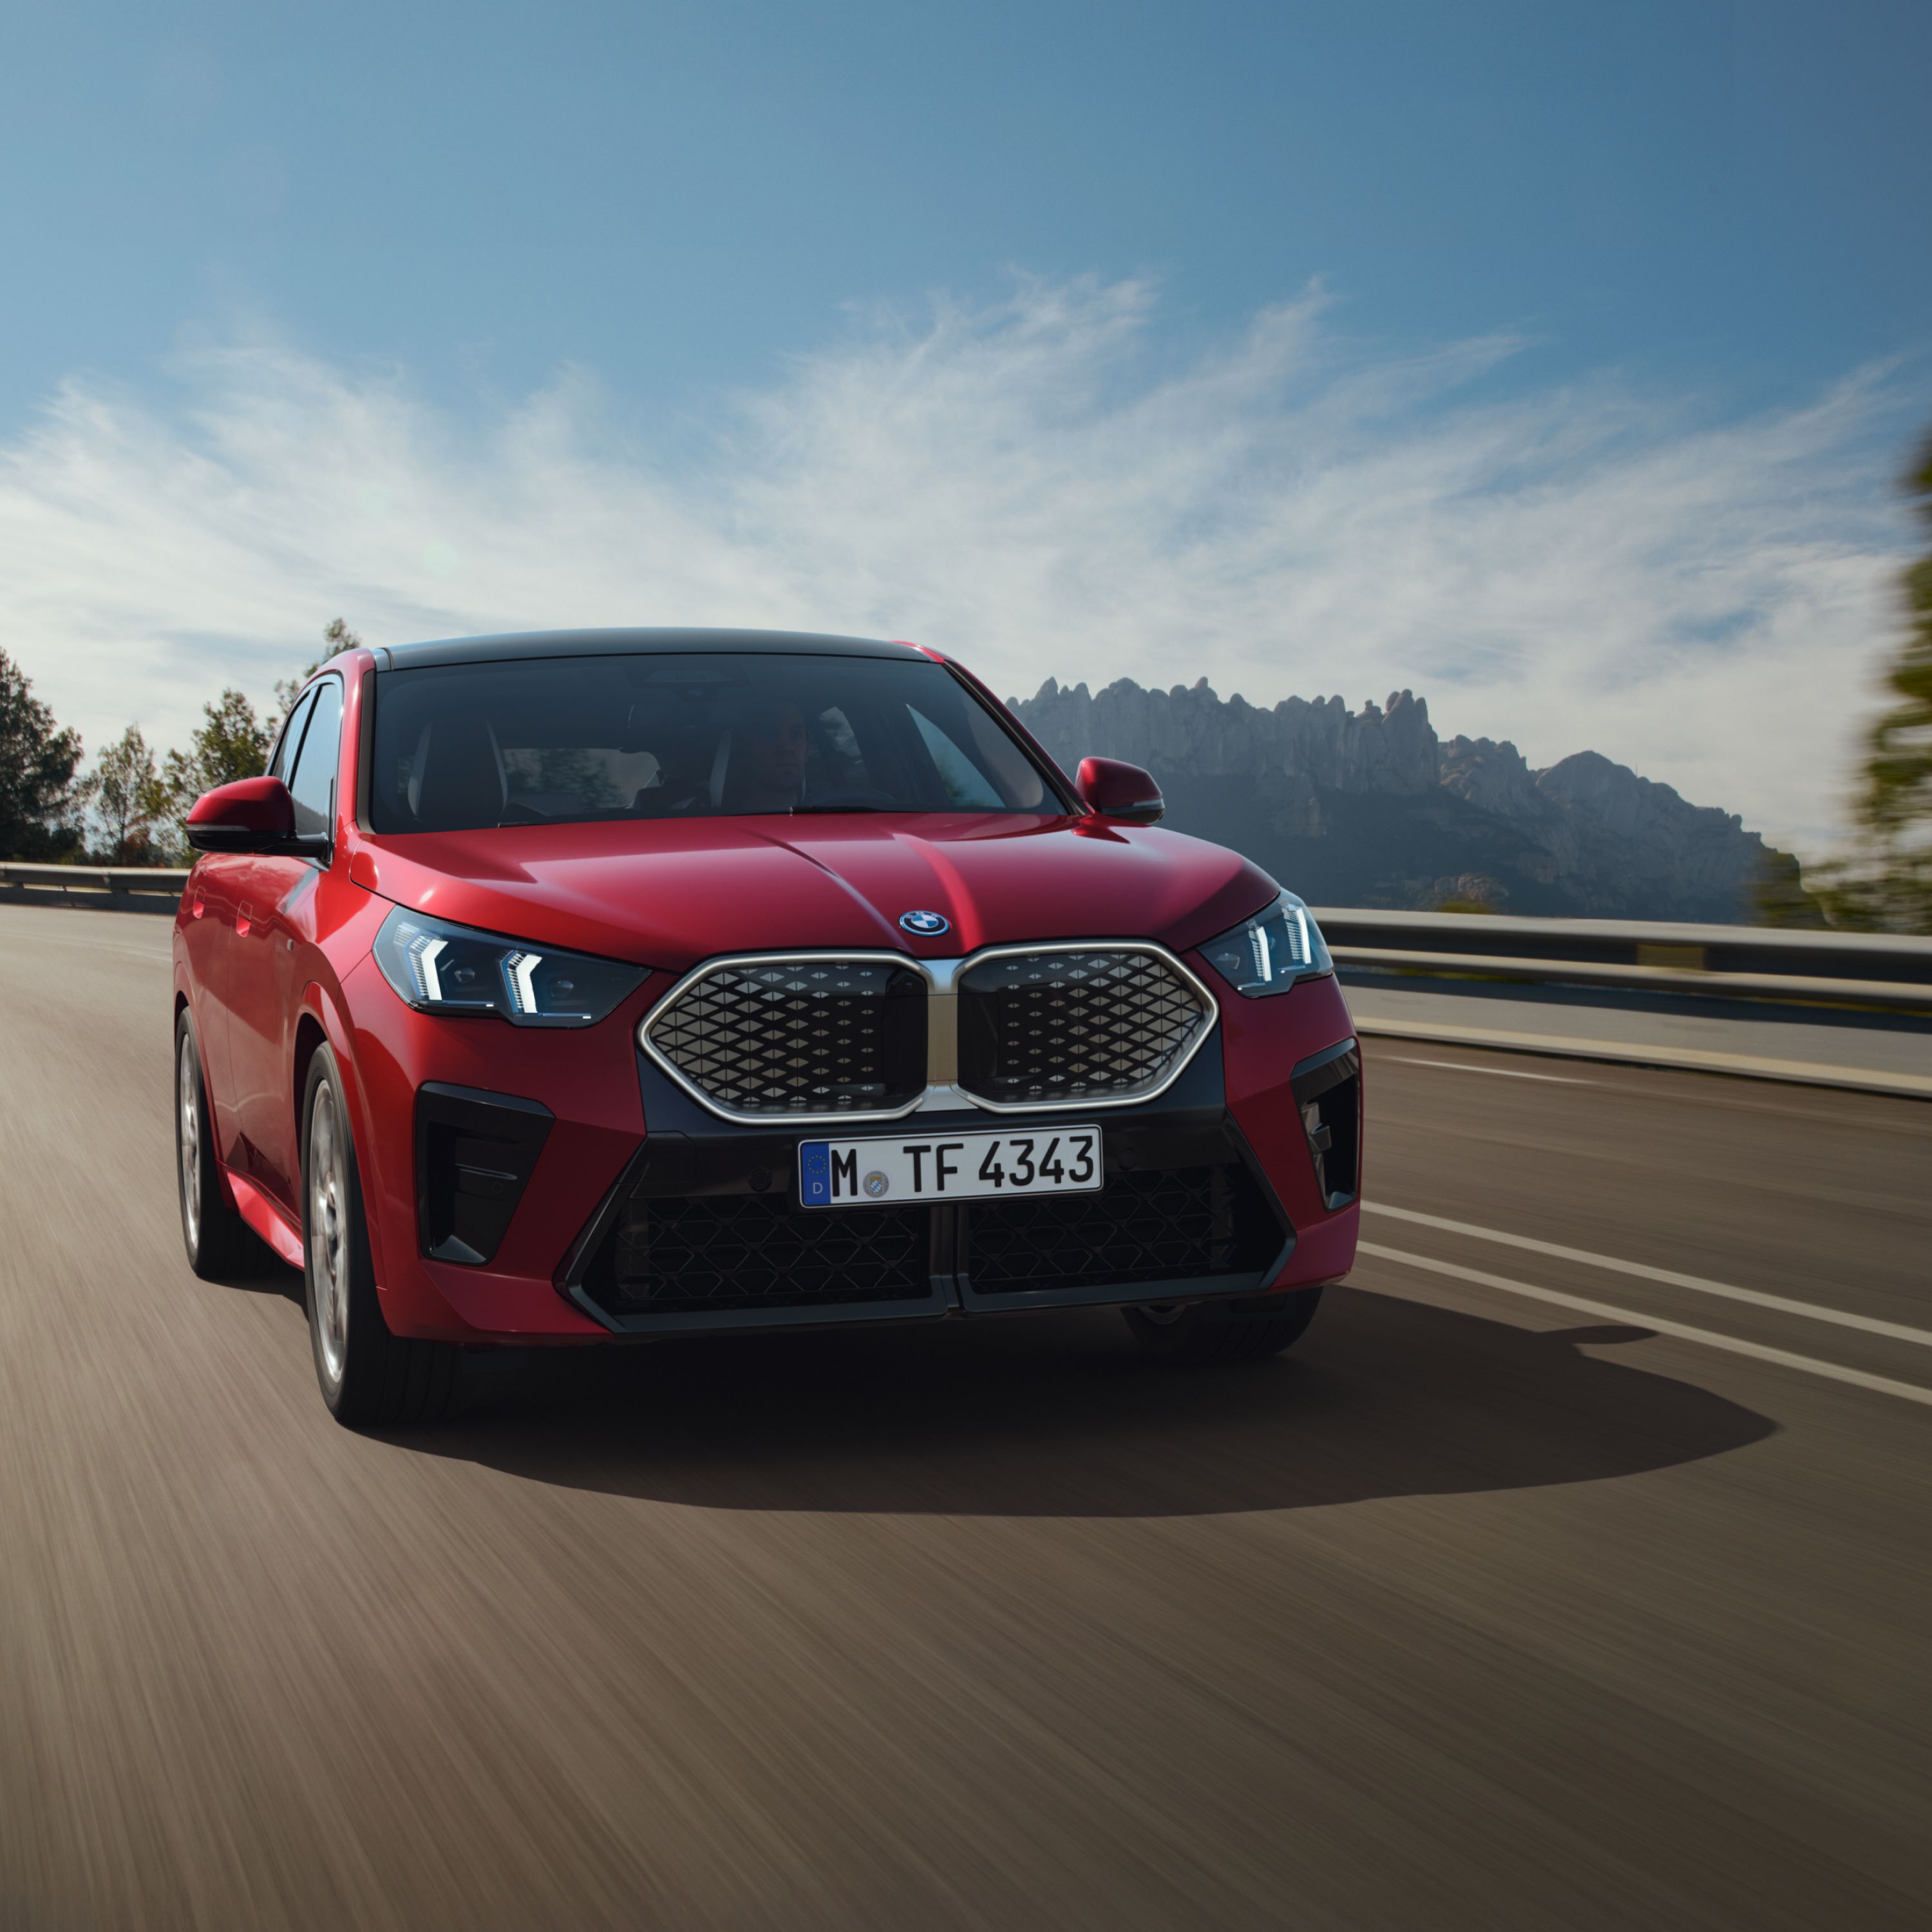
684, 1255
1047, 1026
800, 1037
1140, 1227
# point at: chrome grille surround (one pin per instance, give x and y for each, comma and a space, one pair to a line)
727, 1033
1076, 1023
765, 1038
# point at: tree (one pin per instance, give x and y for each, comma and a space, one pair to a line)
126, 797
36, 764
337, 635
232, 743
1896, 810
1885, 884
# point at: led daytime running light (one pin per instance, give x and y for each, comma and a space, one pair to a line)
440, 967
1271, 952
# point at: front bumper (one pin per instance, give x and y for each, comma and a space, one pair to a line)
637, 1213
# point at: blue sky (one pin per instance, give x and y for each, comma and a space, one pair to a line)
697, 259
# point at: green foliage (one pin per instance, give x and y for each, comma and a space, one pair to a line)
232, 743
126, 798
337, 635
1783, 897
1898, 802
135, 811
1886, 886
36, 766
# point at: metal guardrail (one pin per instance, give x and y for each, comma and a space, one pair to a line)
1883, 971
119, 888
1887, 971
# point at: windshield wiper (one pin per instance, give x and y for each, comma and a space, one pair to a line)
799, 811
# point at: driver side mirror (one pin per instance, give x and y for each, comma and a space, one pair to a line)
250, 815
1118, 791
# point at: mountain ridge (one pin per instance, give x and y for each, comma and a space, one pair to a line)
1371, 808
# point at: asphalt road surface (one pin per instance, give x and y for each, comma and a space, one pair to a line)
1503, 1601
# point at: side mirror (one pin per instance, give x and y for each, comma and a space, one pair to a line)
251, 815
1118, 791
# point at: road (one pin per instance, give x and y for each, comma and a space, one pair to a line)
1480, 1609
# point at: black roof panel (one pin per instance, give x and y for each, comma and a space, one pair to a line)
616, 643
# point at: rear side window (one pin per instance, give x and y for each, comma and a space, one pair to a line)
314, 784
290, 741
557, 740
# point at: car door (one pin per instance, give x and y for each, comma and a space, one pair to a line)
208, 936
274, 928
217, 931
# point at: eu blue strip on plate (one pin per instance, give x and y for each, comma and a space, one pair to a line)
814, 1173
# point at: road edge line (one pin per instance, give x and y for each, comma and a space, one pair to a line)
1733, 1345
1806, 1311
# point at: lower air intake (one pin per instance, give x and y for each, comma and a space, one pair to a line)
688, 1255
1182, 1223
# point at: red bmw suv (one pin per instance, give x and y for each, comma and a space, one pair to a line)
601, 985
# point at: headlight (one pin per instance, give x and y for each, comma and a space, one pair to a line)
441, 968
1268, 953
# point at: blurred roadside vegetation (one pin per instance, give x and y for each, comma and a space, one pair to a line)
1884, 882
129, 808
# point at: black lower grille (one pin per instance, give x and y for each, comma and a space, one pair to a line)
681, 1255
1182, 1223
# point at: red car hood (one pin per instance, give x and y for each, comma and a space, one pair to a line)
669, 893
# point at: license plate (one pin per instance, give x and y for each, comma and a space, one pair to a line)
957, 1167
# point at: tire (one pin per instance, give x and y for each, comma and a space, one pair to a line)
221, 1246
1203, 1334
369, 1378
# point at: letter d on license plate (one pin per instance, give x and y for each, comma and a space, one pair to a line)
958, 1167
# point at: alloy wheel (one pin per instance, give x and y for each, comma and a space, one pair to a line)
328, 1258
188, 1135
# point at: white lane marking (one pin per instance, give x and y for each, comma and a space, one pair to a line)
1501, 1073
1839, 1318
1781, 1358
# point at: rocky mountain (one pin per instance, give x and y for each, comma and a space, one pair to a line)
1371, 809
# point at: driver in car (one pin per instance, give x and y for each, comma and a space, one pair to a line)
767, 772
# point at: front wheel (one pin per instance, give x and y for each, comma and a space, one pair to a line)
221, 1246
1201, 1333
368, 1376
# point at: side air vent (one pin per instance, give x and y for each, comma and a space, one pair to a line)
475, 1154
1328, 1091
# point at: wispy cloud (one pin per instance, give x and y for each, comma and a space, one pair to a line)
1038, 486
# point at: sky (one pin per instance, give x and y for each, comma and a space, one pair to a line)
1558, 363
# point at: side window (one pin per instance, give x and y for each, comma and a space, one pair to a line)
314, 777
291, 738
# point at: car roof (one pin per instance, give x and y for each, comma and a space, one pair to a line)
624, 643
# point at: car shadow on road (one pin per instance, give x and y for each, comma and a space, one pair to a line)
1060, 1415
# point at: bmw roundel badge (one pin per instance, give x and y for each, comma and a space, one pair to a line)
925, 925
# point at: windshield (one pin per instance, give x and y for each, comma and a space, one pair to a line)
555, 740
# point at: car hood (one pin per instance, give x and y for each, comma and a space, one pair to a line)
669, 894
